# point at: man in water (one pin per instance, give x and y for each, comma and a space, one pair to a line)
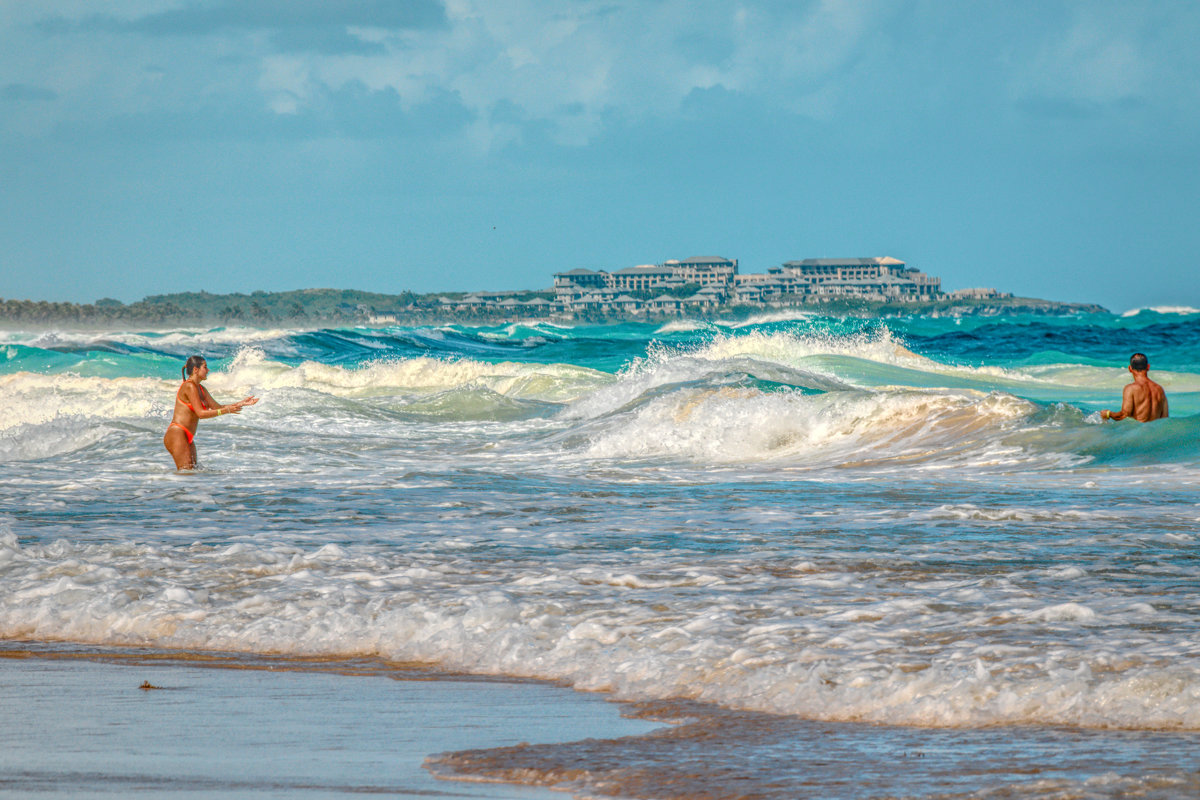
1144, 400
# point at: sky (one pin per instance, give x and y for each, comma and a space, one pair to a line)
1049, 148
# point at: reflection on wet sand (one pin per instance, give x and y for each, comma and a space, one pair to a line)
712, 753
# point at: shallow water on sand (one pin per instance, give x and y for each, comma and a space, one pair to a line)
265, 727
818, 537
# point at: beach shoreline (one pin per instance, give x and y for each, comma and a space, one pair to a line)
117, 721
112, 721
189, 309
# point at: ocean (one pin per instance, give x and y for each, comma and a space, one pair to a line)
825, 557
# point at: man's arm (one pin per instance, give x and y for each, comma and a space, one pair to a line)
1126, 405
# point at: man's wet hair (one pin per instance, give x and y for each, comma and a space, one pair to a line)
1138, 362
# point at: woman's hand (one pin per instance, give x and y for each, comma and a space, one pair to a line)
236, 408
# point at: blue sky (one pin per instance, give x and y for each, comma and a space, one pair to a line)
1047, 148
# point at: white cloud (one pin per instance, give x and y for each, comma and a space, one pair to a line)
568, 66
564, 67
1098, 60
101, 73
286, 82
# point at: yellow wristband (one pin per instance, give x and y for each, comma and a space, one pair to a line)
220, 411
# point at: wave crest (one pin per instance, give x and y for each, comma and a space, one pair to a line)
731, 425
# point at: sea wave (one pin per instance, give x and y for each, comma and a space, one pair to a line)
791, 315
833, 429
547, 382
775, 397
683, 326
31, 399
827, 520
923, 650
170, 341
1179, 310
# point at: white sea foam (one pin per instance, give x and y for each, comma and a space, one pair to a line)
777, 316
28, 442
548, 382
789, 348
937, 653
173, 340
843, 428
683, 326
1008, 513
688, 325
827, 354
757, 353
1183, 310
38, 399
33, 399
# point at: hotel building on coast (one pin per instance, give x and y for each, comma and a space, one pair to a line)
707, 282
716, 281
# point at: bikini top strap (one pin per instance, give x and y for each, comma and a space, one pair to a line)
186, 403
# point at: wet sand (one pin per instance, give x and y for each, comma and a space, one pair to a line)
77, 726
720, 754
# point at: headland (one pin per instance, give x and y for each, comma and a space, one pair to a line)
702, 287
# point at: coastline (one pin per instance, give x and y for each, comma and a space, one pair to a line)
167, 312
251, 727
111, 721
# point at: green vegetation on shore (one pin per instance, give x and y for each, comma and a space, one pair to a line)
339, 307
301, 306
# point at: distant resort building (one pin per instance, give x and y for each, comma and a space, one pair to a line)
717, 282
707, 282
977, 294
871, 278
640, 279
704, 270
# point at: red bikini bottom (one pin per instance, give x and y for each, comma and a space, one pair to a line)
190, 435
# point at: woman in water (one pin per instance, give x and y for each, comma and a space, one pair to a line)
192, 404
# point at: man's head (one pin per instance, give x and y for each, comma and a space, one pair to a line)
1138, 362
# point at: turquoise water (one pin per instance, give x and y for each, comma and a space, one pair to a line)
876, 536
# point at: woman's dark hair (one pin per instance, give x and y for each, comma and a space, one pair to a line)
193, 364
